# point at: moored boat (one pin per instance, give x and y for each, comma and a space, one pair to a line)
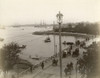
47, 39
23, 46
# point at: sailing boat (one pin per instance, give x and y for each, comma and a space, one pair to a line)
42, 24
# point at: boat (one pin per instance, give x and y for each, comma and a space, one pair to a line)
23, 46
35, 58
47, 39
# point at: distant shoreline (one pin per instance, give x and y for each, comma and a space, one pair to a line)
62, 33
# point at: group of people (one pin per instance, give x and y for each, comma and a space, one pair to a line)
65, 54
75, 53
68, 68
54, 62
69, 53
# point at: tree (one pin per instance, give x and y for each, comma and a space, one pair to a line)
90, 61
82, 27
9, 56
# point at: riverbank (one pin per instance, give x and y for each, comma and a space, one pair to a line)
62, 33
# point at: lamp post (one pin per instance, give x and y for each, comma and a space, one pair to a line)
54, 39
59, 21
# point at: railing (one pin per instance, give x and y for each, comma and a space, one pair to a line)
23, 72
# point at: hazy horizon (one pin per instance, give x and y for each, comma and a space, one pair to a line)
37, 11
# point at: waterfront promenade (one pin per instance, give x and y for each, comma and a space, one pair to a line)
50, 71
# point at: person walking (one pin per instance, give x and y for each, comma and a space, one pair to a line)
31, 68
65, 71
42, 65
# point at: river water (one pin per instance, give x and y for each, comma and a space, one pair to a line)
35, 45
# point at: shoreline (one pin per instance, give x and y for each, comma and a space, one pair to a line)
63, 34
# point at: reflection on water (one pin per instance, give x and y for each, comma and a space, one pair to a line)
35, 43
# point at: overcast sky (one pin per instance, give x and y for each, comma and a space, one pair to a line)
35, 11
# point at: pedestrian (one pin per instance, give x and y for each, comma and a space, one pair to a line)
65, 70
31, 68
53, 61
71, 47
56, 62
71, 65
42, 65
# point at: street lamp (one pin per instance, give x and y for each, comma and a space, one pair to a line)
59, 21
55, 52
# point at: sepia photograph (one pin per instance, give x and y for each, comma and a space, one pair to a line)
49, 38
